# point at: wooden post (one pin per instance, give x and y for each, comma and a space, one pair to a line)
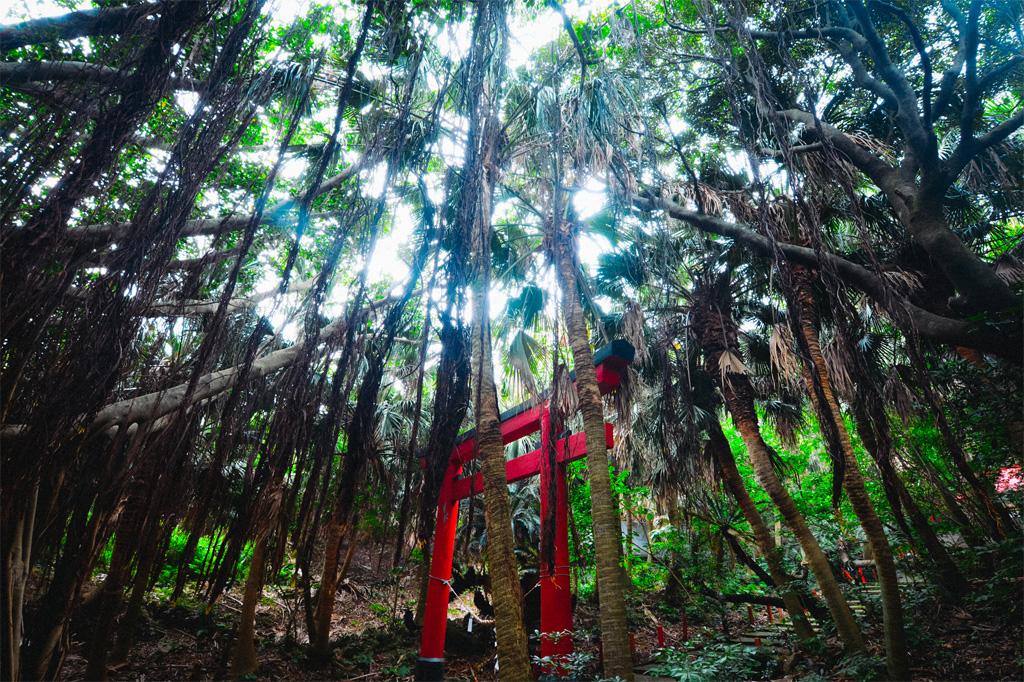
555, 594
430, 665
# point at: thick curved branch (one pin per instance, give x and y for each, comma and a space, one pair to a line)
15, 74
970, 148
881, 173
91, 22
153, 406
187, 308
185, 264
906, 315
907, 114
951, 74
926, 62
848, 43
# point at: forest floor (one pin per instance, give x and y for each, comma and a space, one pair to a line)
184, 642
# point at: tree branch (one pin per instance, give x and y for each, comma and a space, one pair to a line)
187, 308
926, 62
907, 115
153, 406
950, 75
91, 22
112, 232
14, 74
905, 314
881, 173
968, 149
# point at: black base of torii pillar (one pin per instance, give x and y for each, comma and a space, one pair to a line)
556, 603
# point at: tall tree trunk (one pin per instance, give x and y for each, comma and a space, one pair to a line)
513, 655
243, 657
717, 334
328, 587
611, 582
17, 564
819, 387
765, 542
110, 597
148, 558
674, 589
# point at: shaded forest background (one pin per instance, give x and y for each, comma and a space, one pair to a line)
261, 264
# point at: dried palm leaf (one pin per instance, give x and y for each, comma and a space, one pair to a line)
730, 363
565, 391
1009, 269
784, 362
633, 331
903, 281
837, 362
898, 395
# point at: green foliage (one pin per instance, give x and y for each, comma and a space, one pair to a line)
861, 667
712, 662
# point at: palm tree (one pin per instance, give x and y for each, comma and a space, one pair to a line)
830, 418
718, 444
611, 579
716, 332
474, 217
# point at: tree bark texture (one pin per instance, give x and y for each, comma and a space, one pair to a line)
763, 537
819, 387
611, 580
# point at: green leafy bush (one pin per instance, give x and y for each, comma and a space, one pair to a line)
712, 662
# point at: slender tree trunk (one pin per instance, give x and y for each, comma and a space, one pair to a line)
611, 581
16, 568
328, 587
243, 658
873, 427
513, 656
350, 551
741, 406
819, 387
717, 334
146, 562
763, 537
110, 597
674, 590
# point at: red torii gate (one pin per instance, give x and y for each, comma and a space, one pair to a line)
555, 598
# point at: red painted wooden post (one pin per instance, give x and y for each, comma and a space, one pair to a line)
770, 618
555, 595
430, 665
863, 580
661, 636
750, 614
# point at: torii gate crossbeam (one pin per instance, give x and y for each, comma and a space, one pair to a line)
556, 602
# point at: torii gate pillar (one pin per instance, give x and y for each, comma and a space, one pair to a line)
555, 595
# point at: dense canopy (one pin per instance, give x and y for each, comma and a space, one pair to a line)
262, 262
